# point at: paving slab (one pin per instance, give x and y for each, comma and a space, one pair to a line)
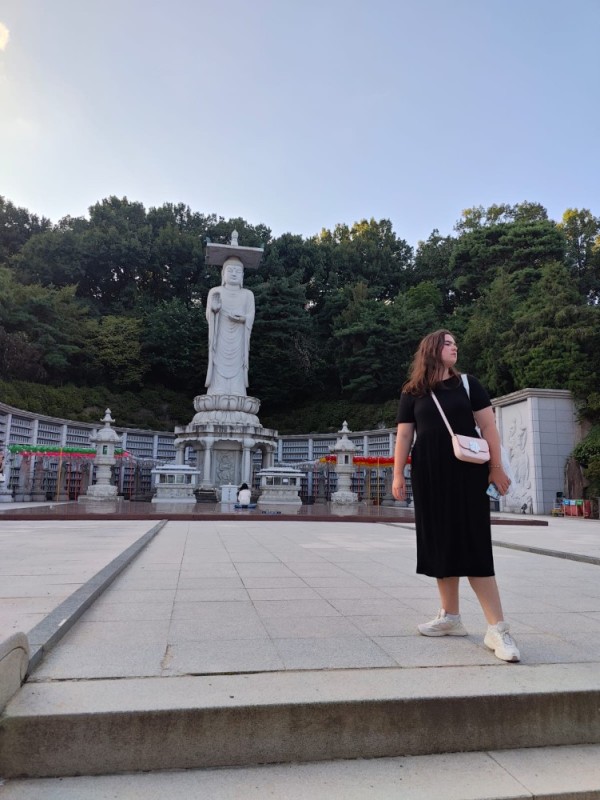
328, 607
352, 585
43, 563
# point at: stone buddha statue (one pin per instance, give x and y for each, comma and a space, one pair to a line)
230, 316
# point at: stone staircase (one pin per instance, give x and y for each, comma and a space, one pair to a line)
99, 727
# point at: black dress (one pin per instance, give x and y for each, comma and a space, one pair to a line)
452, 509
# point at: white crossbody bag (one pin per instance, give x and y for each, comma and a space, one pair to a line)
466, 448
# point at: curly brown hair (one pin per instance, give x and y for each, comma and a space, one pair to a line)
427, 369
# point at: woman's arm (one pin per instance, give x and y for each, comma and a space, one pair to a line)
404, 440
487, 425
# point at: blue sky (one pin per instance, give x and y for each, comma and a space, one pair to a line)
301, 113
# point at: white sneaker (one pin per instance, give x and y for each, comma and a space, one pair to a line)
443, 625
501, 642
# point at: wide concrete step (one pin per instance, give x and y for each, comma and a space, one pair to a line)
112, 726
550, 773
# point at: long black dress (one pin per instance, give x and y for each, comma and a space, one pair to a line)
452, 509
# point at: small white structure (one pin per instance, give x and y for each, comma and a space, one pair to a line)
344, 450
229, 493
280, 486
539, 429
105, 440
175, 483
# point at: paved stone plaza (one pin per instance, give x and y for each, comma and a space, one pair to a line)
237, 597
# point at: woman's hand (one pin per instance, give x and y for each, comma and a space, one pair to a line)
399, 487
499, 478
487, 424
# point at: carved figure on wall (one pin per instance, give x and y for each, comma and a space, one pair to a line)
230, 316
225, 468
520, 491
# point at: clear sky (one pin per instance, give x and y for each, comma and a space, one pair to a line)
301, 113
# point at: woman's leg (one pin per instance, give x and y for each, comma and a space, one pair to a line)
497, 637
448, 589
447, 622
488, 595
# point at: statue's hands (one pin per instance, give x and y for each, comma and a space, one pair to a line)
237, 317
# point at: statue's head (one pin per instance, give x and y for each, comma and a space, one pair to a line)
233, 272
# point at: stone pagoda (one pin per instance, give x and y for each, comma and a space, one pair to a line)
105, 441
344, 451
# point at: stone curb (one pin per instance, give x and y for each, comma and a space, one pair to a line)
262, 516
53, 627
14, 658
542, 551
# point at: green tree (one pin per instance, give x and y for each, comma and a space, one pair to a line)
486, 335
119, 351
555, 336
375, 340
512, 246
370, 252
19, 358
478, 217
582, 233
284, 357
17, 226
173, 338
53, 321
432, 263
52, 258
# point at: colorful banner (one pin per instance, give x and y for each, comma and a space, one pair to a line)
29, 450
365, 461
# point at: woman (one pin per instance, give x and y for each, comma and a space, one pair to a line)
244, 495
452, 509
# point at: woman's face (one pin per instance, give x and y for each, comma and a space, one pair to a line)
449, 353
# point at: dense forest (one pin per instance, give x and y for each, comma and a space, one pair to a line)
109, 310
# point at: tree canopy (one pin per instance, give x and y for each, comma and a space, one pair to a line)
116, 300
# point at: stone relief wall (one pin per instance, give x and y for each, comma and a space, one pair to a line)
516, 443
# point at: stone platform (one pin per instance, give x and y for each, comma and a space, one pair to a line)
229, 642
198, 512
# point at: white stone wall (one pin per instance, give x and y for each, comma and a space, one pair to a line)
539, 429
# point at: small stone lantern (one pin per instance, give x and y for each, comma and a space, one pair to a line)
105, 440
344, 450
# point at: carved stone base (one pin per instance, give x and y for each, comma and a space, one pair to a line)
344, 498
225, 409
98, 493
224, 433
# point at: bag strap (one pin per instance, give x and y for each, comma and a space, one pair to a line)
437, 402
465, 382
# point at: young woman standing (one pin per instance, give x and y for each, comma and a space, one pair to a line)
452, 509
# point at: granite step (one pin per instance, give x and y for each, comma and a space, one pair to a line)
69, 728
547, 773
